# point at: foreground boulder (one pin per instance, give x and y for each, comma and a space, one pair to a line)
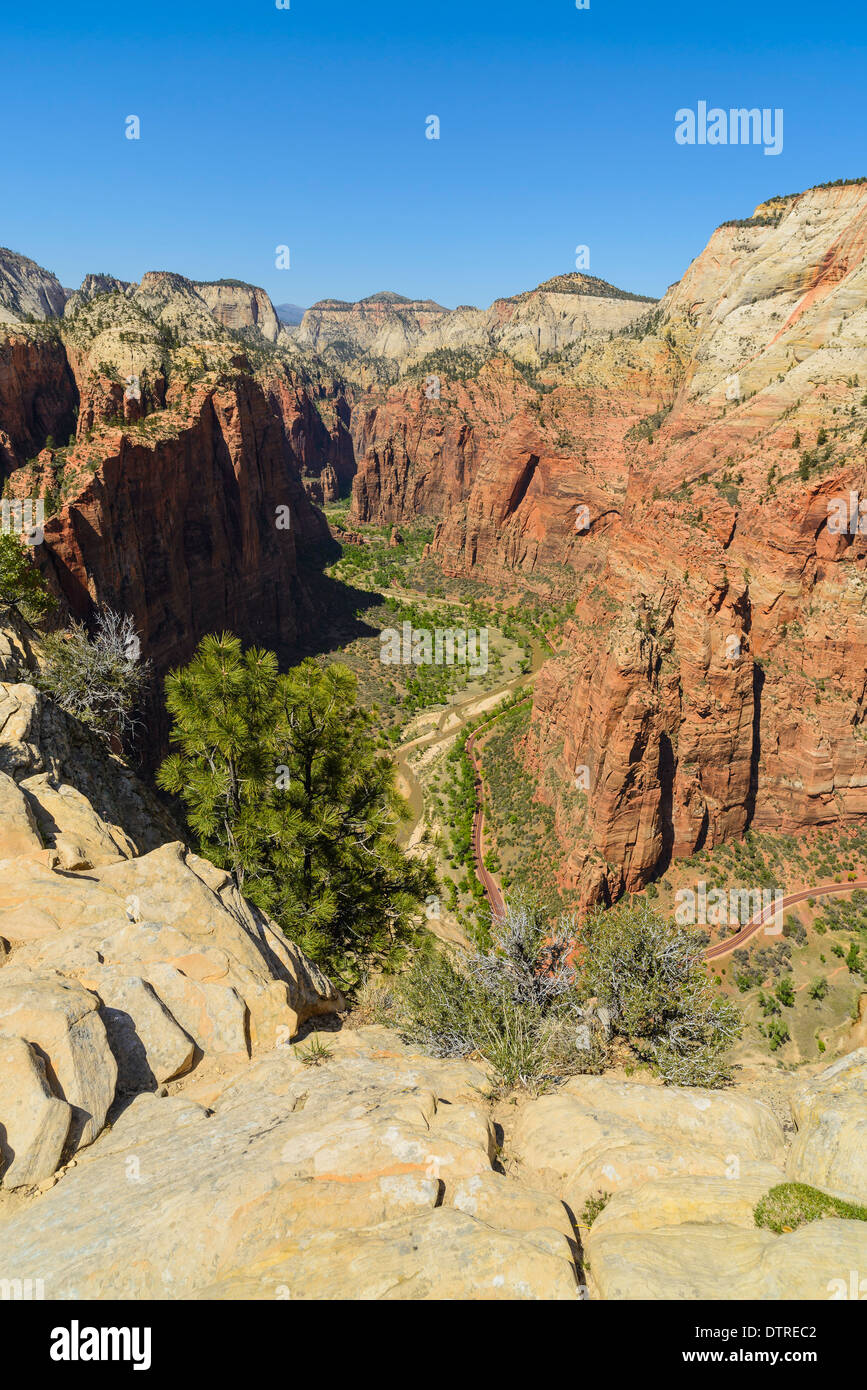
126, 960
368, 1175
60, 1020
35, 1121
831, 1144
676, 1234
598, 1134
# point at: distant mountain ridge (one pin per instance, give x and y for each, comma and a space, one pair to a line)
556, 313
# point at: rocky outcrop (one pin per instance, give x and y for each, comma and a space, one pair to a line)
62, 788
346, 1165
600, 1133
666, 1235
238, 306
831, 1114
722, 1261
419, 455
26, 290
367, 1176
90, 287
124, 966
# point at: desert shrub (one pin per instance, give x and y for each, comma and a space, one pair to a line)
778, 1034
99, 679
792, 1204
651, 977
525, 1006
593, 1206
514, 1004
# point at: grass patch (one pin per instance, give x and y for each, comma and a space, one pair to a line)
792, 1204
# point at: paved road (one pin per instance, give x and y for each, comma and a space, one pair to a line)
492, 892
758, 921
488, 882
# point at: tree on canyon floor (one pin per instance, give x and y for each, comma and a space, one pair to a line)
284, 788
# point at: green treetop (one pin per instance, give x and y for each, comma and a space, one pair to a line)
284, 788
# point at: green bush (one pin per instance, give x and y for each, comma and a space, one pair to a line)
22, 587
593, 1206
651, 976
792, 1204
99, 679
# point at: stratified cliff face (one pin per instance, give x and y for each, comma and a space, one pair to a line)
27, 289
316, 412
236, 305
38, 394
418, 455
713, 675
383, 325
563, 310
178, 525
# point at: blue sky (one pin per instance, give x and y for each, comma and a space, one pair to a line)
305, 127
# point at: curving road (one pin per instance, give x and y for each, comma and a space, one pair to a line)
758, 921
488, 882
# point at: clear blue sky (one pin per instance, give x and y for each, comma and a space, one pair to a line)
306, 127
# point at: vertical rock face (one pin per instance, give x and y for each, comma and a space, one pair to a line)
713, 674
179, 526
27, 289
38, 394
316, 415
236, 305
418, 455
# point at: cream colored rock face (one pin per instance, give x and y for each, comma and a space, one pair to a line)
121, 969
600, 1135
351, 1179
830, 1150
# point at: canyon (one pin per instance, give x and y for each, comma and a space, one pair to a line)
711, 675
188, 1112
662, 473
658, 477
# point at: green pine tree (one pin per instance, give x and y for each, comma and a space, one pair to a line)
22, 587
284, 788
